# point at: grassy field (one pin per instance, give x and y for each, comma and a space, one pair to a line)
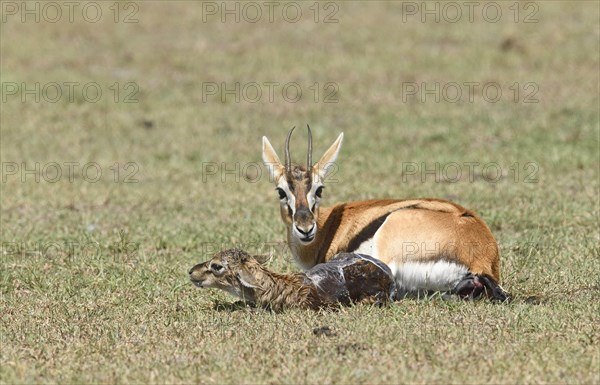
160, 170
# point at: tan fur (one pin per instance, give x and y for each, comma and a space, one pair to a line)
407, 235
415, 230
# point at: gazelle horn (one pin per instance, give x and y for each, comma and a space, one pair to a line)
288, 159
309, 156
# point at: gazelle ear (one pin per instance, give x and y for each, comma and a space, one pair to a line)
271, 160
327, 161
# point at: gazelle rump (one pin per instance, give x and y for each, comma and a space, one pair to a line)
345, 279
429, 244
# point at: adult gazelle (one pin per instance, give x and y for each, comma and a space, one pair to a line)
429, 244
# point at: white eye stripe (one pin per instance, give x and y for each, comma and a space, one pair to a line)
312, 197
291, 199
292, 203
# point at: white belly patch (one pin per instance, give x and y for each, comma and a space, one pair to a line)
434, 276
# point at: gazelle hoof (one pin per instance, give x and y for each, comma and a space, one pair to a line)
474, 285
470, 287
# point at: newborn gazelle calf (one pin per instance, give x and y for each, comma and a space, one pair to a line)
345, 279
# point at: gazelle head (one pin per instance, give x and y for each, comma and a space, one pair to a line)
299, 188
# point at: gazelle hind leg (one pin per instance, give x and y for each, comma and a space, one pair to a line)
473, 286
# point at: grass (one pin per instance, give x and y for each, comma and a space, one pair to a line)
94, 282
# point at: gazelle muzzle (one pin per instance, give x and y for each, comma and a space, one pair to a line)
304, 225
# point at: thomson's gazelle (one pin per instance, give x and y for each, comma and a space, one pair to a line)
429, 244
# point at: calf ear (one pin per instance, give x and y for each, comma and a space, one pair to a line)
262, 259
247, 279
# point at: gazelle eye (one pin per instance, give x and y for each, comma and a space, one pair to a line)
319, 191
282, 194
216, 267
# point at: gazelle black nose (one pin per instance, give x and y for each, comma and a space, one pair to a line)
190, 272
305, 232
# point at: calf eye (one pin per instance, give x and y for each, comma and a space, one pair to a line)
282, 194
216, 267
319, 191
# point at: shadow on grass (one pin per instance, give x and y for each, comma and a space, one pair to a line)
235, 306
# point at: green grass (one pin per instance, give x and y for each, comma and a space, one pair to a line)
94, 284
